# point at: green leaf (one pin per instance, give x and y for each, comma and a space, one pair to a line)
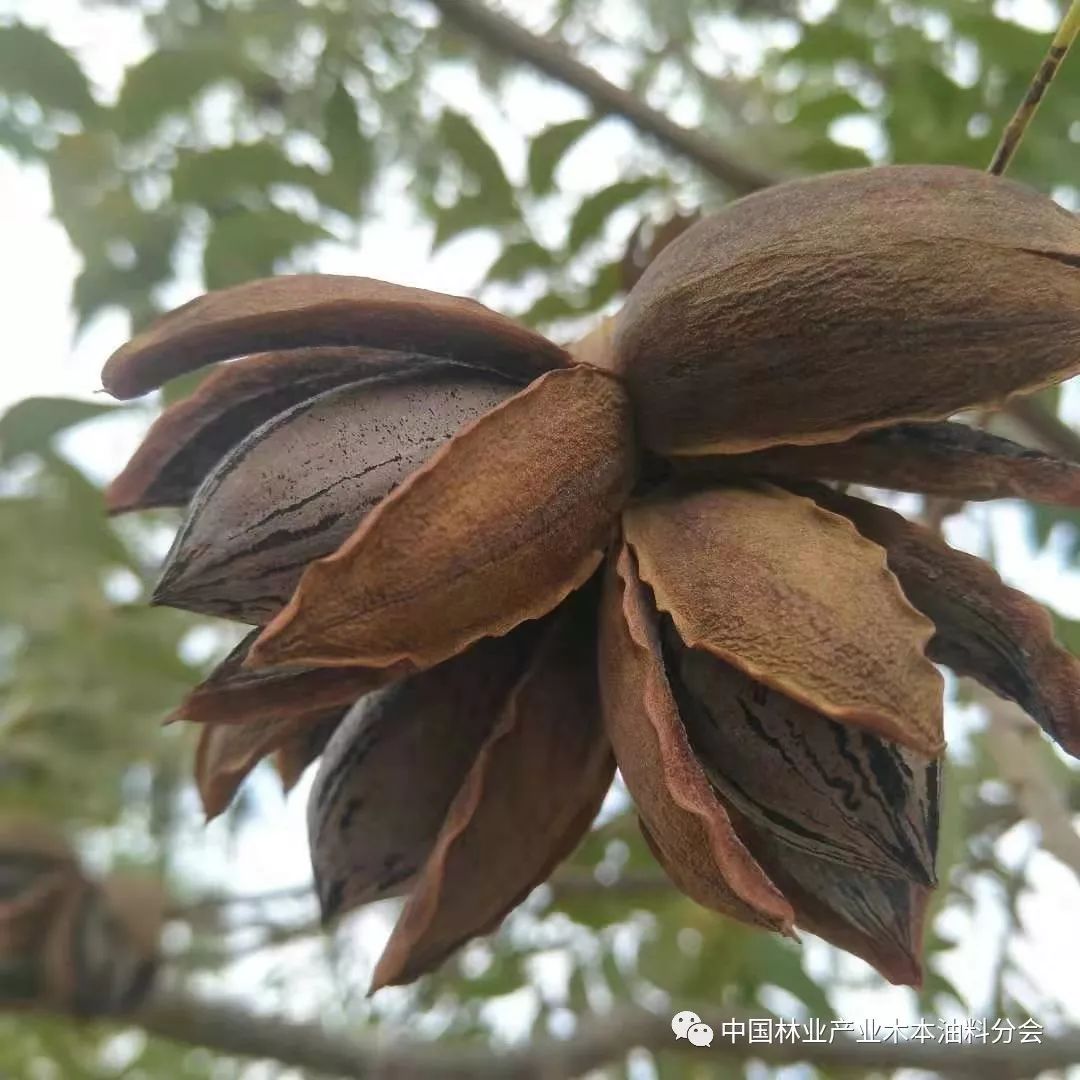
826, 42
1044, 520
938, 995
211, 177
549, 148
606, 285
548, 308
469, 212
350, 152
1067, 631
778, 963
593, 213
504, 974
184, 385
1000, 41
89, 198
1049, 399
518, 259
94, 220
30, 425
31, 63
18, 137
479, 160
85, 159
89, 532
824, 155
247, 244
820, 112
101, 283
168, 81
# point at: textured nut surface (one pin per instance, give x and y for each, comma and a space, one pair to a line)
823, 307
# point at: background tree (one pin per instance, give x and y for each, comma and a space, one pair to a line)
546, 158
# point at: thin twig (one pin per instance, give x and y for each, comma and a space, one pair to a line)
569, 882
598, 1041
507, 37
1014, 885
1019, 766
267, 936
1055, 435
1014, 131
185, 910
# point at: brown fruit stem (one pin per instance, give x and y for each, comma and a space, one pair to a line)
1048, 69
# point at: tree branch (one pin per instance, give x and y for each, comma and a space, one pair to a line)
1054, 435
230, 1029
569, 881
1035, 791
565, 881
216, 901
506, 37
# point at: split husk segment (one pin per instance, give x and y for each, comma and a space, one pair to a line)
296, 488
481, 568
190, 437
541, 773
947, 459
793, 596
814, 310
757, 806
318, 310
502, 524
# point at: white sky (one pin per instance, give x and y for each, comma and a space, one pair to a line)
37, 267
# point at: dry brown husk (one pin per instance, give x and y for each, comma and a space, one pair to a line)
820, 308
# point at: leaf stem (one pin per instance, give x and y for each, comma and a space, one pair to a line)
1014, 131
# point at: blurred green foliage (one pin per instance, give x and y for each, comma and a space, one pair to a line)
249, 137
